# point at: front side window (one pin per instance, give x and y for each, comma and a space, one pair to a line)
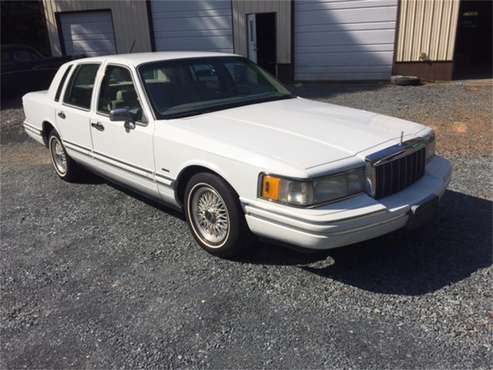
178, 88
79, 90
118, 91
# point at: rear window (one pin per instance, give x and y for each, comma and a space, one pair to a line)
62, 82
79, 90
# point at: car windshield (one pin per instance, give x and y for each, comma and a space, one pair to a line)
180, 88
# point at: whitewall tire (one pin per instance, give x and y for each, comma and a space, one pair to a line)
215, 217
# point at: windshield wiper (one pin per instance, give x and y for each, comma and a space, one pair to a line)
215, 108
273, 98
186, 114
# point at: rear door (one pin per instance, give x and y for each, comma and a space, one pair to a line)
123, 153
74, 113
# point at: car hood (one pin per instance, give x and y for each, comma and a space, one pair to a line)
301, 132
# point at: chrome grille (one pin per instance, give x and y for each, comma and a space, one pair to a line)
392, 176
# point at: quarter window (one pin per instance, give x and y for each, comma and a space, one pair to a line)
118, 91
79, 91
62, 82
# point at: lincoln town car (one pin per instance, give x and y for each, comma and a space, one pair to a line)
222, 140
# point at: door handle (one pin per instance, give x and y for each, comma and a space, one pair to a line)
61, 115
98, 126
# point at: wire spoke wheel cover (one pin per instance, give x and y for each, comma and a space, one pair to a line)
58, 155
209, 215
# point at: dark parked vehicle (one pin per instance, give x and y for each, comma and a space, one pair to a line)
24, 69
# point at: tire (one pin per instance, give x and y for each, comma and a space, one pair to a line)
215, 217
65, 167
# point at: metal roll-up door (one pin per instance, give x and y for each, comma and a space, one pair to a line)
202, 25
89, 33
344, 40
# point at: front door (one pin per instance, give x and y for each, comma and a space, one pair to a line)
121, 151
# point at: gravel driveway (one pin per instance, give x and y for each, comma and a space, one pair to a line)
95, 277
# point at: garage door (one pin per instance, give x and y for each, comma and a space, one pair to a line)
204, 25
344, 40
89, 33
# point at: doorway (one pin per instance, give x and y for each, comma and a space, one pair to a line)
261, 33
473, 47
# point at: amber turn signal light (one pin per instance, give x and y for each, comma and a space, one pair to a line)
271, 187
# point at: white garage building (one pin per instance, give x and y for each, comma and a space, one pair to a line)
295, 39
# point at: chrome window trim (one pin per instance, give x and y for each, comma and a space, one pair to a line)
69, 81
98, 112
63, 82
76, 107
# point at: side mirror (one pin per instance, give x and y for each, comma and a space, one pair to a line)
121, 114
125, 115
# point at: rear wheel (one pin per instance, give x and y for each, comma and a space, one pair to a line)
65, 167
214, 215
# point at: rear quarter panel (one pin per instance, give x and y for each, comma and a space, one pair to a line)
38, 108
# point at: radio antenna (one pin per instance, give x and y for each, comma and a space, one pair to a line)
132, 47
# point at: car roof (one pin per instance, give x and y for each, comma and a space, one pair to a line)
136, 59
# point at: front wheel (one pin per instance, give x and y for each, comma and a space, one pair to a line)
214, 215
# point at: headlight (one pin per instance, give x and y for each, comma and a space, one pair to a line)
314, 191
430, 146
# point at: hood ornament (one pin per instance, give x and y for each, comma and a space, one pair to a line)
402, 136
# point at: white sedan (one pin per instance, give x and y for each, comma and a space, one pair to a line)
216, 136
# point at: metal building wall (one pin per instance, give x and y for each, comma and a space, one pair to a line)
427, 30
130, 21
283, 27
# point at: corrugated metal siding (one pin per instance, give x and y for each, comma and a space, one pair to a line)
129, 18
344, 40
427, 30
282, 8
193, 25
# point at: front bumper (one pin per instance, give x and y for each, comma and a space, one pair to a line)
349, 221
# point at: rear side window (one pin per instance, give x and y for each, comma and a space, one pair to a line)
62, 82
79, 90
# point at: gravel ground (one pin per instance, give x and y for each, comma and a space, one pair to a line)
95, 277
